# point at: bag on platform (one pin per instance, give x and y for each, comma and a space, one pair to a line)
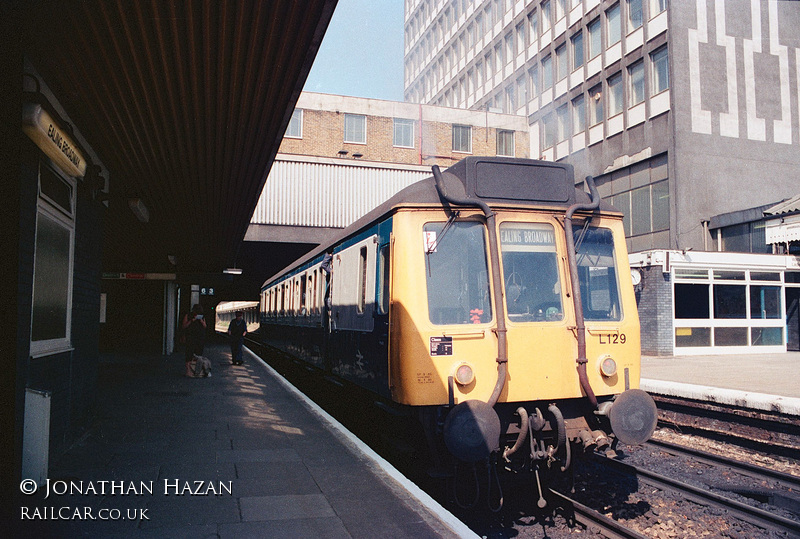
202, 366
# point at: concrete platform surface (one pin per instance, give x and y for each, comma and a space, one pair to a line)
234, 455
760, 381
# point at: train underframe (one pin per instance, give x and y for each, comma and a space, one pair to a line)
536, 438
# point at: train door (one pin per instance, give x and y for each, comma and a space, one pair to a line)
534, 275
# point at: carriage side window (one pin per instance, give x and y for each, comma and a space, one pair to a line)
530, 272
457, 273
383, 280
597, 273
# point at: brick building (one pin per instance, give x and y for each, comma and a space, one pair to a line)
392, 132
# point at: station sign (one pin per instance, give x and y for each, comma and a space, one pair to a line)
140, 276
53, 140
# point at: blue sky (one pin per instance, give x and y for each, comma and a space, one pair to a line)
362, 52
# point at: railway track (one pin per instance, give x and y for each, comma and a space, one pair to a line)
789, 481
768, 431
595, 521
742, 511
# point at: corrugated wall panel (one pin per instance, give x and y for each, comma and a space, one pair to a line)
326, 195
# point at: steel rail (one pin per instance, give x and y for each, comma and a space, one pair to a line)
589, 517
753, 515
752, 470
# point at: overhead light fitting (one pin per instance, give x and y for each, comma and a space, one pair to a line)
342, 153
232, 271
139, 209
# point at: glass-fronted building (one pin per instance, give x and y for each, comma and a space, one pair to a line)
717, 302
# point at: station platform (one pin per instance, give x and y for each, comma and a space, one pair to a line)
239, 454
759, 381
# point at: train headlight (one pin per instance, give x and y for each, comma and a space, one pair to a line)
608, 367
463, 374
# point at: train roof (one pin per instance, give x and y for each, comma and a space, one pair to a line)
498, 181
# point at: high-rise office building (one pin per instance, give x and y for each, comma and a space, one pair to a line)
685, 112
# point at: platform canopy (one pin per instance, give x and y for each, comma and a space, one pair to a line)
783, 221
185, 103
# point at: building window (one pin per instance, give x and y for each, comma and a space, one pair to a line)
53, 260
505, 143
561, 9
660, 61
520, 38
509, 53
546, 16
510, 103
731, 308
522, 91
595, 38
533, 25
403, 133
462, 138
355, 128
577, 50
295, 129
579, 113
533, 75
744, 238
562, 113
657, 6
562, 62
549, 131
634, 14
547, 72
615, 103
596, 114
636, 78
614, 25
645, 209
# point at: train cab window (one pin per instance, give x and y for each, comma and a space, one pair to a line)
597, 273
530, 272
457, 273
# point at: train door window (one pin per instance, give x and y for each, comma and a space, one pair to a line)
530, 272
383, 280
302, 291
457, 272
597, 273
362, 279
53, 260
312, 298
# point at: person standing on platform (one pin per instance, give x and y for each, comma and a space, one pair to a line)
237, 329
195, 328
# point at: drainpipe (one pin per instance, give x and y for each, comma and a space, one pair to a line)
576, 288
497, 280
